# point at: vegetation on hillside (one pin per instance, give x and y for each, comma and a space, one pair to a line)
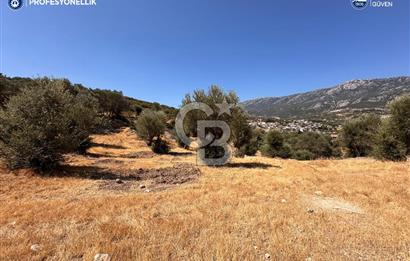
42, 122
358, 135
387, 139
111, 102
149, 126
41, 119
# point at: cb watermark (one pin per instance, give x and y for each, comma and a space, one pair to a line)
206, 140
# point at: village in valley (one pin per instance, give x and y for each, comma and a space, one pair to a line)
296, 125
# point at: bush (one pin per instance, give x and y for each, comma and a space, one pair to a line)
358, 136
273, 145
84, 146
303, 155
387, 146
285, 152
160, 146
41, 123
253, 145
317, 144
400, 120
149, 125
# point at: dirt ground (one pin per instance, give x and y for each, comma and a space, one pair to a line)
123, 200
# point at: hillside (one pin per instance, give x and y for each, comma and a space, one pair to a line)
167, 208
345, 99
9, 86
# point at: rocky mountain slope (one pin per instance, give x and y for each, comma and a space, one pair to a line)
343, 100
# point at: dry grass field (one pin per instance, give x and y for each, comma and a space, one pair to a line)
353, 209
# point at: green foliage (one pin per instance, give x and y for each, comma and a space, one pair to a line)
303, 154
254, 144
285, 152
358, 135
11, 86
273, 144
138, 106
241, 132
150, 125
112, 103
214, 96
317, 144
302, 146
41, 123
387, 146
400, 120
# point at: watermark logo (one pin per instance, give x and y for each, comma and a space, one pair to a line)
362, 4
381, 4
15, 4
359, 4
206, 141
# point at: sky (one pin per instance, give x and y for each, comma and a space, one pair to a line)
159, 50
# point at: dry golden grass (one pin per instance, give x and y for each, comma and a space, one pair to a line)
235, 212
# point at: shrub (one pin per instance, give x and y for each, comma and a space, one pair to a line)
317, 144
41, 123
387, 146
303, 155
273, 145
400, 120
285, 152
358, 135
254, 144
84, 146
160, 146
149, 125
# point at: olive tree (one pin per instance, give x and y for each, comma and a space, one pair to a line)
41, 123
149, 126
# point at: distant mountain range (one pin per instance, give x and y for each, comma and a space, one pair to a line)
343, 100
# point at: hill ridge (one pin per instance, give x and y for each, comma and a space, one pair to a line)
345, 99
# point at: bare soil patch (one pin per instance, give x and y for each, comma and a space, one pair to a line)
156, 178
332, 204
152, 179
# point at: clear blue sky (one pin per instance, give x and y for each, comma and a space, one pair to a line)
159, 50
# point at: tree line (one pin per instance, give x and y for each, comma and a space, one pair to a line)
41, 119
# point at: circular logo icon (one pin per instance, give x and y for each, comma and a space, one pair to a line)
15, 4
359, 4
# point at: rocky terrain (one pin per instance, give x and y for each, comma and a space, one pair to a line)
343, 100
